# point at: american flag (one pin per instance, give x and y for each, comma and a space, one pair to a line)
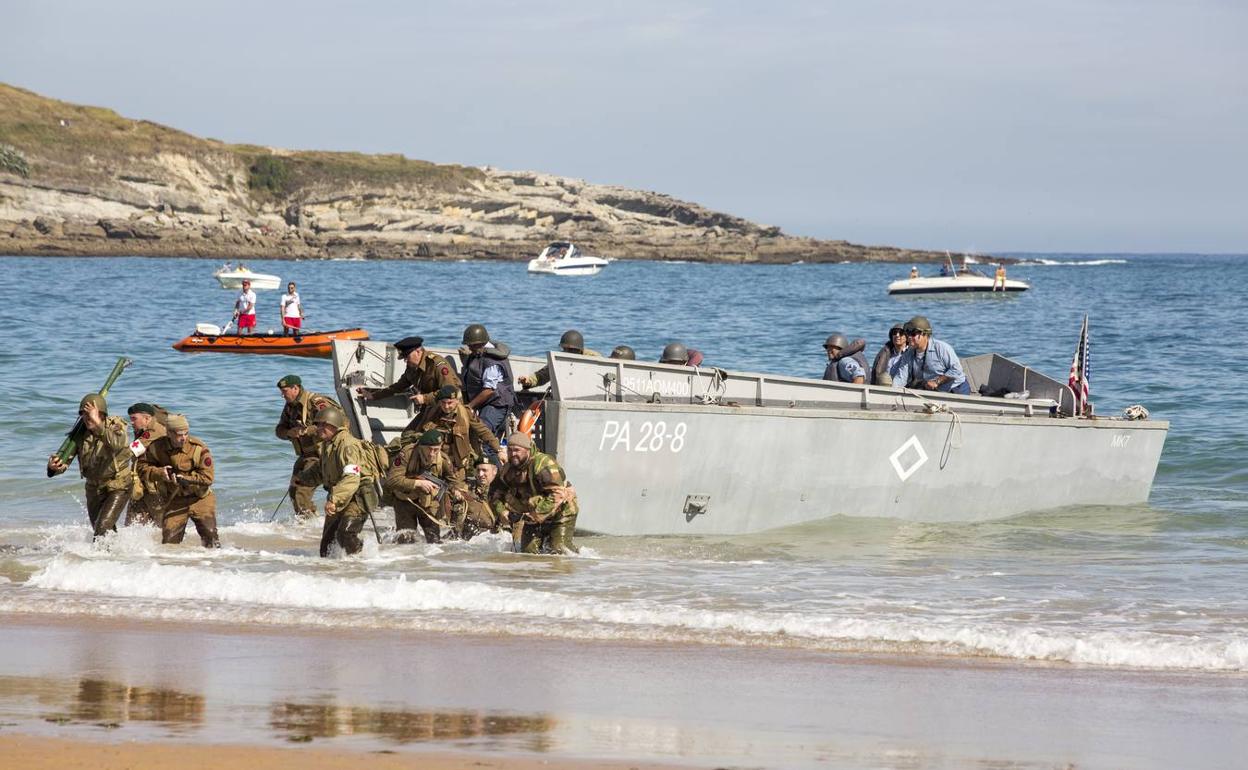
1080, 371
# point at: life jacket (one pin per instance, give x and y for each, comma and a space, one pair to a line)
474, 376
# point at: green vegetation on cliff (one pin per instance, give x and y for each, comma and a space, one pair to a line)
49, 140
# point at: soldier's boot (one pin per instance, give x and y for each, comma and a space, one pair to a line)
406, 536
206, 526
329, 531
173, 528
532, 537
349, 533
559, 539
301, 497
109, 512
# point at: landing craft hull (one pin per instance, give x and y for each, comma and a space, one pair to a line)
654, 449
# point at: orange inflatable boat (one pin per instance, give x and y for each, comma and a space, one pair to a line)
307, 345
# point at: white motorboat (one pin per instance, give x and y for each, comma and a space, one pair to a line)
564, 258
953, 280
231, 277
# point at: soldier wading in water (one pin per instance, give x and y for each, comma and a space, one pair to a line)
349, 473
180, 468
295, 425
537, 499
104, 461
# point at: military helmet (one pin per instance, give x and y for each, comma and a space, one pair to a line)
96, 400
624, 352
836, 340
476, 335
331, 415
572, 340
675, 353
919, 323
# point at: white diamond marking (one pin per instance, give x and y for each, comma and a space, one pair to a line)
895, 458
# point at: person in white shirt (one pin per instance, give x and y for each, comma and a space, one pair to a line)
245, 309
292, 310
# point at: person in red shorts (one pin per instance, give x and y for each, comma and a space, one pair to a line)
292, 310
245, 309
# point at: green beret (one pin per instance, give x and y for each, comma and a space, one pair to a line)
142, 407
430, 438
447, 391
288, 380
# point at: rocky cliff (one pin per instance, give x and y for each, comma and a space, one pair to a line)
84, 180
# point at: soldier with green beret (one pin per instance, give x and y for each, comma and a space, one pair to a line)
295, 425
463, 433
181, 468
349, 473
104, 462
424, 484
146, 506
537, 499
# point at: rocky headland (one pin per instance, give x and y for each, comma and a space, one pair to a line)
78, 180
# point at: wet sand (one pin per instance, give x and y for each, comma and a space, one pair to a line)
272, 697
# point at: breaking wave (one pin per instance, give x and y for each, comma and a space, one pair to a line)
1070, 262
212, 594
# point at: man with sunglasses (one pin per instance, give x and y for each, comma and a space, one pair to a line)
888, 355
929, 363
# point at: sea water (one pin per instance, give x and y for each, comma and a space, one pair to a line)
1156, 586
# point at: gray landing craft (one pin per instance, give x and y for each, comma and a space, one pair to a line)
660, 449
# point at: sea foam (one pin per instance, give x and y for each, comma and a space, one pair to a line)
422, 603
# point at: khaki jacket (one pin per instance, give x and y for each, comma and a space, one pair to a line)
104, 457
299, 414
407, 468
463, 433
192, 463
346, 465
433, 372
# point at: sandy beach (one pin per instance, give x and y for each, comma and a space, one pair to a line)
118, 694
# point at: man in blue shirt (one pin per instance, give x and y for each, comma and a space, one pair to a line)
928, 364
843, 368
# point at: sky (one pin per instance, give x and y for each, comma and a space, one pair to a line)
997, 125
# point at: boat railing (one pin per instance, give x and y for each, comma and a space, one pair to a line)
588, 378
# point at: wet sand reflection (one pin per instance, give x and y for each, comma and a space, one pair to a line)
305, 721
102, 703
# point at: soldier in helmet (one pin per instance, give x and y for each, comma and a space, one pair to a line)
104, 457
295, 425
677, 353
843, 368
624, 352
349, 474
425, 485
180, 467
146, 507
572, 341
536, 498
425, 373
488, 382
928, 364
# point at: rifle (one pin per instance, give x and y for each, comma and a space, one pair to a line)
69, 447
441, 485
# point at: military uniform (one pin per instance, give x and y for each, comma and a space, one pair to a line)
426, 378
541, 520
104, 462
479, 508
189, 497
415, 505
305, 476
349, 474
463, 435
146, 504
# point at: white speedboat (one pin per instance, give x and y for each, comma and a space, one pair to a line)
231, 277
563, 258
954, 280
